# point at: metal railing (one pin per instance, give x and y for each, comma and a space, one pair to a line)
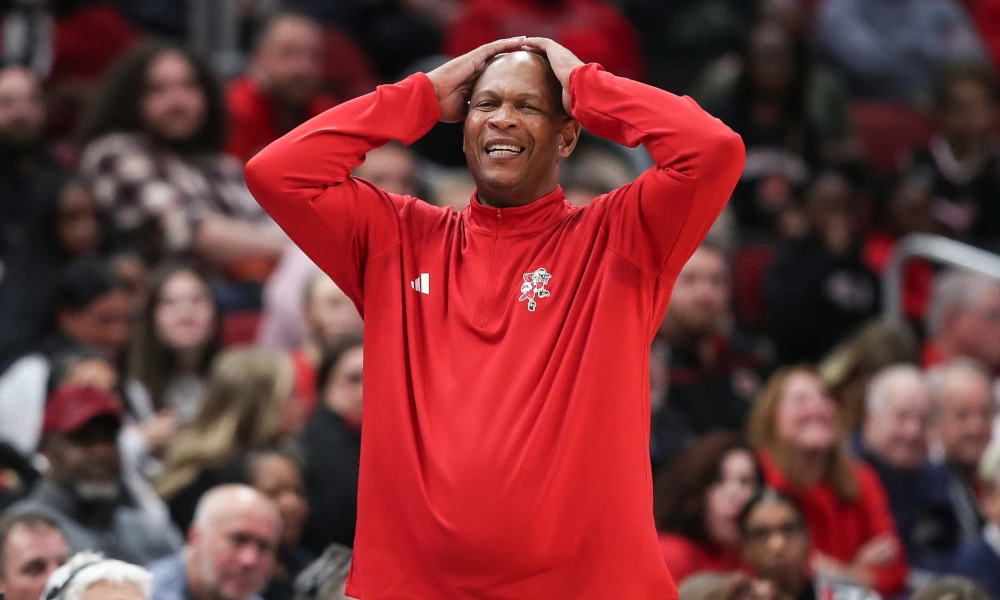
938, 249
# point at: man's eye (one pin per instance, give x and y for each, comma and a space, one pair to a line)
486, 104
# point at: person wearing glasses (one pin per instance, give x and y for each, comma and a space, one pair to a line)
776, 545
90, 576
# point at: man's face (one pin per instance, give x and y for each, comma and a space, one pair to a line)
291, 59
22, 111
235, 554
976, 328
777, 545
104, 324
516, 130
330, 312
965, 424
87, 461
700, 300
970, 113
31, 555
898, 430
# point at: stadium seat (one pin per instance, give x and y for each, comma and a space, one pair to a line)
750, 268
888, 130
240, 327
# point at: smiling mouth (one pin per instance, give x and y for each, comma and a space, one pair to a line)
503, 150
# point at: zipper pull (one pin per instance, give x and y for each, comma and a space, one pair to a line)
499, 216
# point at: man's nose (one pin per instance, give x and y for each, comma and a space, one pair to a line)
248, 555
505, 118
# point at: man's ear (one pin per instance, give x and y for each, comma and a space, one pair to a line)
569, 135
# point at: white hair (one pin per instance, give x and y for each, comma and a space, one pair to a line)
954, 289
938, 377
70, 581
886, 380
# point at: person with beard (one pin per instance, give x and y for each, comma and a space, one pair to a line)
153, 140
83, 489
281, 89
710, 372
231, 549
23, 156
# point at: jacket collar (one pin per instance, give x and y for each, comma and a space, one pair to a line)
516, 221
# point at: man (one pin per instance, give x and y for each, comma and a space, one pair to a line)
894, 441
712, 373
980, 558
23, 157
282, 87
31, 548
90, 576
964, 407
505, 450
963, 319
230, 549
83, 489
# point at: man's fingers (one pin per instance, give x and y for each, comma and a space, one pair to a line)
499, 47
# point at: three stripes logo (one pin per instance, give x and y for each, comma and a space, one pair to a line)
422, 284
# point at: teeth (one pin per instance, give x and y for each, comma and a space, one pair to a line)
503, 149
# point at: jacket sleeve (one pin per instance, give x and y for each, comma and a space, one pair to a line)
890, 579
303, 180
658, 220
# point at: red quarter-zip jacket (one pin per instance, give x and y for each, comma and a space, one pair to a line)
505, 444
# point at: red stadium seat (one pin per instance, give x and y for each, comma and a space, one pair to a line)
888, 130
240, 327
750, 268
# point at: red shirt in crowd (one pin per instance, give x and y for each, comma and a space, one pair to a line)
505, 445
839, 528
251, 117
685, 557
593, 29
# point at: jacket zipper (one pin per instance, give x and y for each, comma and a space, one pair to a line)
485, 309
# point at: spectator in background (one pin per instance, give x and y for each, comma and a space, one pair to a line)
712, 372
64, 226
980, 558
894, 49
847, 370
281, 88
83, 488
24, 156
329, 314
91, 309
804, 454
31, 549
276, 472
154, 137
819, 288
332, 446
951, 588
697, 499
962, 162
249, 401
90, 576
177, 339
963, 320
594, 30
393, 168
17, 476
964, 409
776, 545
230, 549
895, 442
767, 108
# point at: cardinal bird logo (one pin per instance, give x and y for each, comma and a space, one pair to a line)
533, 287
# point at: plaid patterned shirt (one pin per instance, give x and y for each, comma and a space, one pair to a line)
161, 197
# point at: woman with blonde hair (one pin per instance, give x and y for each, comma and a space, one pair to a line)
804, 454
249, 402
847, 370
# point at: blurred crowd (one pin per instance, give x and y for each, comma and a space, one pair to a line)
181, 388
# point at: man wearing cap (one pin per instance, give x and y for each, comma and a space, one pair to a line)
82, 489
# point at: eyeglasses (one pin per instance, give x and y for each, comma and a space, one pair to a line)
787, 530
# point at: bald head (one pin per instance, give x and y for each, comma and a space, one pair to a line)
232, 500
